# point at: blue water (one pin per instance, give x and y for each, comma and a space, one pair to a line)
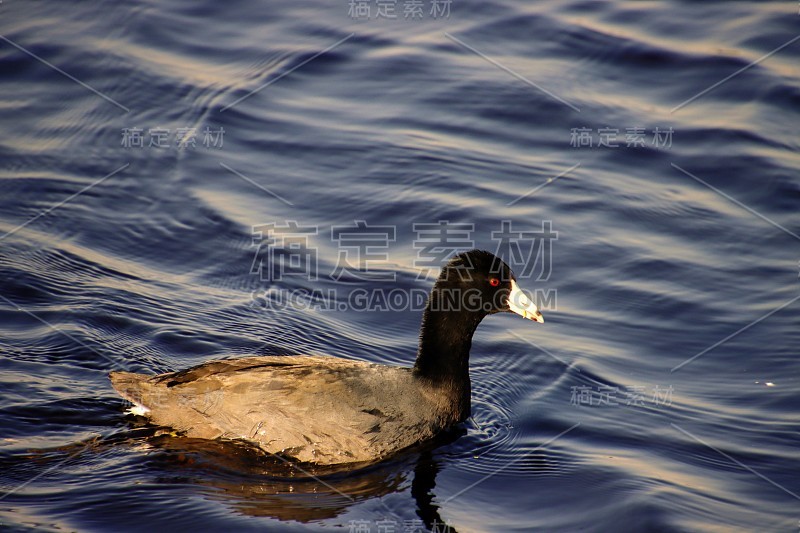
676, 229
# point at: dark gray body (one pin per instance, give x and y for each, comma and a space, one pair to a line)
321, 410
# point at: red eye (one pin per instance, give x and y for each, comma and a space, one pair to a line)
494, 282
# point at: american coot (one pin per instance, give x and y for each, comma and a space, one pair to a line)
328, 410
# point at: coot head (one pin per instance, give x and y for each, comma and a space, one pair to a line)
479, 282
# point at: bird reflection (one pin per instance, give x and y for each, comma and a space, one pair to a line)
422, 490
256, 484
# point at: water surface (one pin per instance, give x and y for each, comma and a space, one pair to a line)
658, 140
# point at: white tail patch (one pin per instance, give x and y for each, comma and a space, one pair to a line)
138, 410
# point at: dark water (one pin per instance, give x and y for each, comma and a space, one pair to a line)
676, 229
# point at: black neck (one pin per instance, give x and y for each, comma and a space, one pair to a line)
444, 343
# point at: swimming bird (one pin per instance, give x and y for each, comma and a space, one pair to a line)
329, 410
